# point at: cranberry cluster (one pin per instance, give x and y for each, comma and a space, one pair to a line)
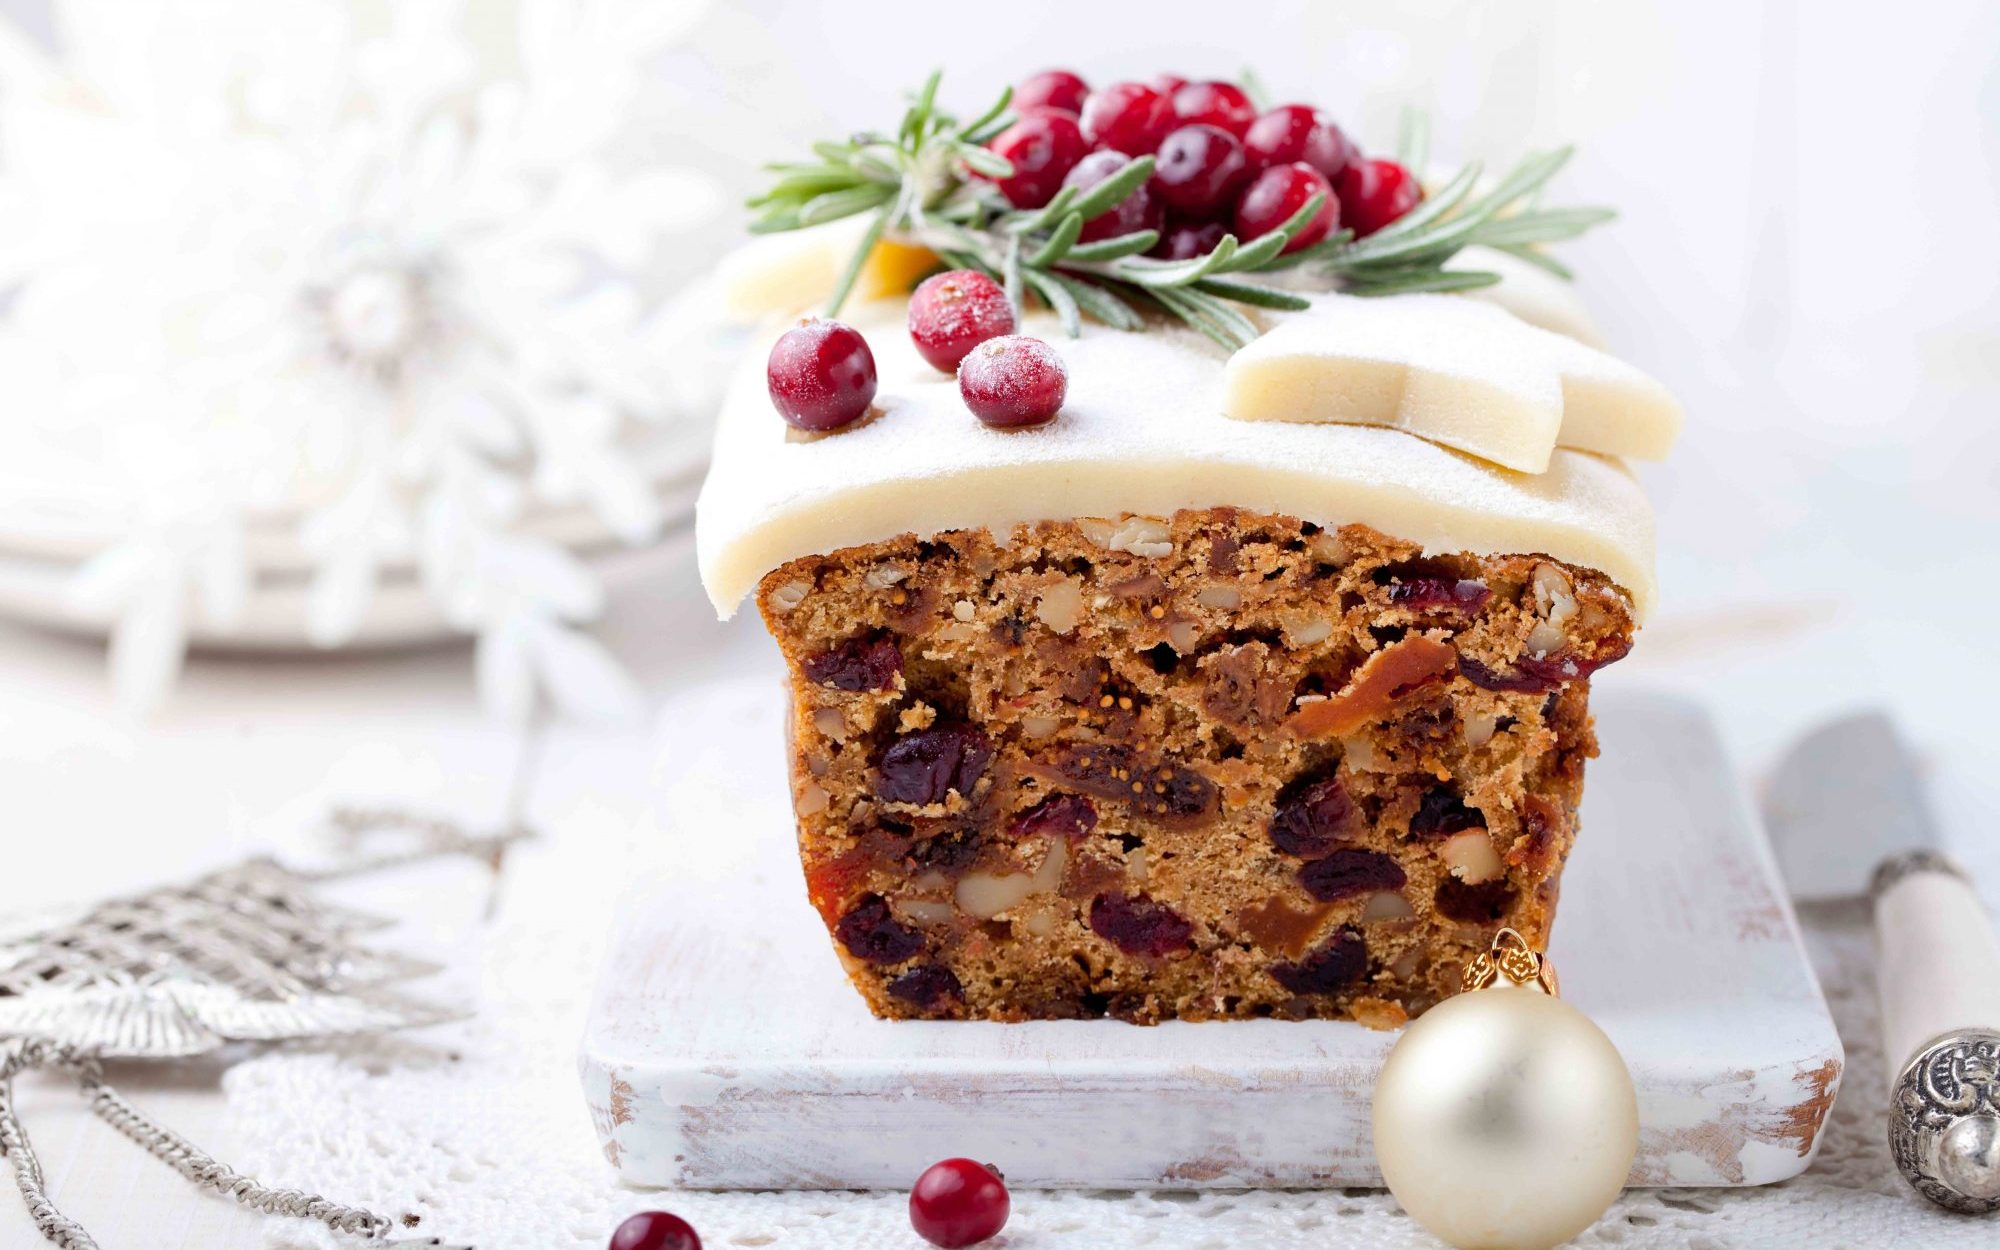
1219, 165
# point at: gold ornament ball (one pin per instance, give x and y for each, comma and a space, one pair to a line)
1505, 1120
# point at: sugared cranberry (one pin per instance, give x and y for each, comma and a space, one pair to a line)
959, 1203
1221, 104
1127, 117
1137, 925
1013, 381
1052, 88
870, 931
924, 765
1138, 211
865, 662
655, 1230
1200, 168
1042, 146
952, 313
1167, 84
1349, 872
1338, 963
926, 987
1315, 820
1443, 811
1189, 239
1374, 193
1274, 195
1065, 815
821, 375
1297, 132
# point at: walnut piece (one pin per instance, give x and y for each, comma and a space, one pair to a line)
1060, 605
789, 596
1470, 856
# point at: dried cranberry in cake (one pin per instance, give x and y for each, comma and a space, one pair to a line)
1200, 167
1052, 88
1138, 211
1137, 925
1442, 812
1223, 105
1484, 903
1189, 239
926, 987
1374, 193
952, 313
1297, 132
1338, 963
1277, 193
925, 765
869, 661
1350, 872
1042, 147
1315, 819
869, 931
821, 375
1065, 815
1013, 381
1127, 117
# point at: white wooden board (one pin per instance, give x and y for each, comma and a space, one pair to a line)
726, 1050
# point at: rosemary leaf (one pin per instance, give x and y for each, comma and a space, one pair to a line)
1100, 302
1420, 279
1413, 140
1116, 247
1110, 193
984, 160
849, 274
1010, 275
1058, 244
1209, 315
834, 205
1037, 220
994, 113
1541, 260
1549, 225
1056, 297
1251, 293
1157, 274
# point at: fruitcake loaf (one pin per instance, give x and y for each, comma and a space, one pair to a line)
1188, 667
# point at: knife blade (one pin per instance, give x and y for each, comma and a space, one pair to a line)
1847, 818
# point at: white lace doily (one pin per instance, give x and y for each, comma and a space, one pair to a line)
479, 1130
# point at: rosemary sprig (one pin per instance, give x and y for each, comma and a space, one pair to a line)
920, 186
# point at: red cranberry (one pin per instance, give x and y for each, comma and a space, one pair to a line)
1296, 132
821, 375
1067, 815
1270, 200
959, 1203
1013, 381
1338, 963
655, 1230
1200, 168
952, 313
1052, 88
1189, 239
924, 765
870, 931
1167, 84
1043, 146
1137, 211
1127, 117
1315, 820
1374, 193
1221, 104
1349, 872
1137, 925
869, 661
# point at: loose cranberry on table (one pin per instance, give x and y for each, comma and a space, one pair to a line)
959, 1202
655, 1230
821, 375
1127, 117
1221, 104
1013, 381
1374, 193
1052, 88
1188, 239
1042, 146
1297, 132
1200, 167
1137, 211
1274, 195
952, 313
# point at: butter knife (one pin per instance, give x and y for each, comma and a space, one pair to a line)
1847, 818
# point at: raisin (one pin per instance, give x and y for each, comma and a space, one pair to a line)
869, 932
1314, 820
1441, 812
1484, 903
951, 853
925, 765
1068, 815
1137, 925
868, 661
1339, 962
927, 986
1349, 872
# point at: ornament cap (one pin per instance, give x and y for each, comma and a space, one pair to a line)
1513, 960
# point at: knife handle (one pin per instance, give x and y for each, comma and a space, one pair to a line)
1938, 973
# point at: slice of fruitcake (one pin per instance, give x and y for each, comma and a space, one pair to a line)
1135, 675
